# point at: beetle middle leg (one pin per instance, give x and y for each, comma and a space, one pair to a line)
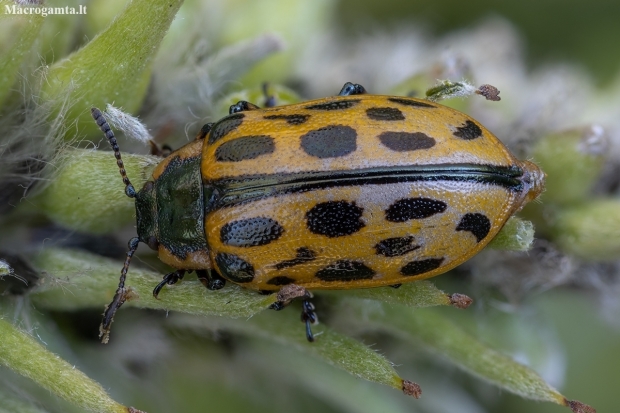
211, 279
292, 291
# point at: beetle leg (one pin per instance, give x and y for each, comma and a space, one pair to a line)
162, 152
211, 279
170, 279
309, 317
206, 128
395, 285
241, 106
350, 89
287, 294
270, 100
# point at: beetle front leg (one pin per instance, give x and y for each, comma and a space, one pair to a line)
170, 279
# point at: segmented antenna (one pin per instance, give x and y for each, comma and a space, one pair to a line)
121, 294
105, 128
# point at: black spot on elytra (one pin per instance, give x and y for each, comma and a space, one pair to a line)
477, 224
225, 126
250, 232
395, 247
334, 105
406, 141
387, 114
420, 267
411, 102
303, 255
280, 280
335, 218
294, 119
414, 208
234, 268
244, 148
468, 131
330, 141
345, 270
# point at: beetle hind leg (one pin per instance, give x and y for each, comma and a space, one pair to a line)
290, 292
170, 279
308, 316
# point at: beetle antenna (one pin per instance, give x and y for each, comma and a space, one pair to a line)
105, 128
121, 294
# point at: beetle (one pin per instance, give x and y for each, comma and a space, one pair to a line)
349, 191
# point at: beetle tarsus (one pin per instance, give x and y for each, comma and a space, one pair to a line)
162, 151
270, 99
211, 279
242, 106
170, 279
350, 89
206, 128
309, 317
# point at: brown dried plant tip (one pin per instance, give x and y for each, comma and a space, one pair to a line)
290, 292
412, 389
578, 407
460, 300
489, 92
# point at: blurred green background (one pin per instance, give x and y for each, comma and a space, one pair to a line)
567, 329
574, 31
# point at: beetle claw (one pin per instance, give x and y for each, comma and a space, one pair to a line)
309, 317
170, 279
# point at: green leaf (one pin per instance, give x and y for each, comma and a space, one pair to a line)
24, 355
76, 279
334, 386
330, 346
444, 338
115, 67
87, 194
447, 89
24, 29
417, 294
589, 230
573, 161
516, 235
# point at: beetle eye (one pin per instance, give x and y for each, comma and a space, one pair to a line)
152, 243
148, 186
